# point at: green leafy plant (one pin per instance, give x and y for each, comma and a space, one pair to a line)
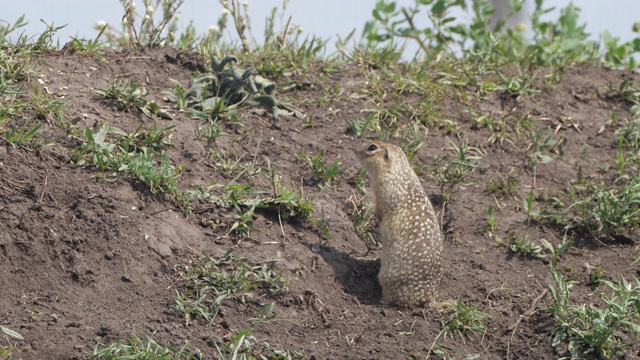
89, 47
596, 277
242, 224
42, 106
617, 54
358, 127
516, 87
556, 252
221, 89
524, 245
288, 204
492, 230
543, 147
210, 133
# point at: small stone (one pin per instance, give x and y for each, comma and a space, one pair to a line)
104, 331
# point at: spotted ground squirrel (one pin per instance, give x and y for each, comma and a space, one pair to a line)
411, 238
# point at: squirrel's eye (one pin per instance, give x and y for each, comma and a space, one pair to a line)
372, 147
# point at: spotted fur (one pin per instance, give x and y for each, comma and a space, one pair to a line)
411, 238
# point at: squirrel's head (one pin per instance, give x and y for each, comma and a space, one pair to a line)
377, 157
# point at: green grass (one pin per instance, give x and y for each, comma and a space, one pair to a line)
244, 346
129, 95
450, 171
140, 154
323, 172
213, 280
465, 322
289, 205
604, 331
602, 212
507, 187
5, 350
24, 136
139, 346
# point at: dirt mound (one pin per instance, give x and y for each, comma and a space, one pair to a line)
87, 258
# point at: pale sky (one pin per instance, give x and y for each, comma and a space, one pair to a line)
323, 18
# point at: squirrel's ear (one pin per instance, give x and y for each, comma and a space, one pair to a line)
386, 154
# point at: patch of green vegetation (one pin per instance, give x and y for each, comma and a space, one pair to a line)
477, 38
524, 245
244, 346
89, 47
625, 92
507, 187
557, 251
211, 280
596, 277
141, 154
5, 350
413, 139
516, 86
210, 133
324, 174
283, 52
604, 331
230, 163
287, 204
21, 112
598, 210
139, 346
130, 95
24, 136
607, 211
23, 47
451, 172
543, 147
358, 127
220, 90
465, 321
362, 219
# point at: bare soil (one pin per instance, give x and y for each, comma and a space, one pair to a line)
85, 261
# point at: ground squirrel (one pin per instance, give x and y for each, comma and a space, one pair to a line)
411, 238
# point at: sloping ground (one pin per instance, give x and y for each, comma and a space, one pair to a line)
85, 261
